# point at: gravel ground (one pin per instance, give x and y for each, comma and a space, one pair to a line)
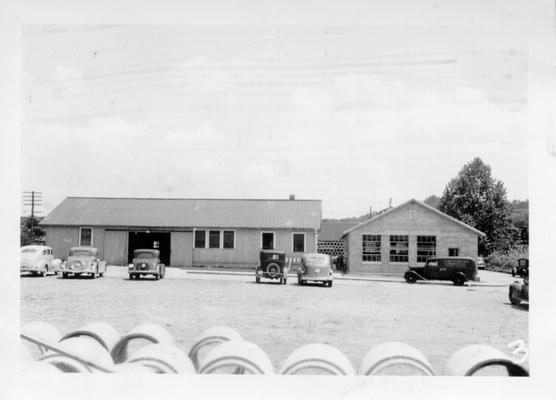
354, 316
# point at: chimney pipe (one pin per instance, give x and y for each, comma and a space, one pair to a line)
292, 196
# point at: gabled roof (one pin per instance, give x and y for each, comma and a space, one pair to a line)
425, 205
333, 230
191, 213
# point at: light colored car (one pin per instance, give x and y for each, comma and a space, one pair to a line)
38, 260
315, 267
146, 262
83, 261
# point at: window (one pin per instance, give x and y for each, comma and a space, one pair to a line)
85, 236
229, 239
214, 239
267, 240
200, 239
453, 252
371, 248
299, 242
399, 248
426, 248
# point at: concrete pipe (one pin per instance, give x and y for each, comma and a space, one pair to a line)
43, 332
163, 359
84, 350
324, 358
211, 336
470, 359
395, 355
37, 367
133, 368
150, 332
103, 332
238, 355
24, 353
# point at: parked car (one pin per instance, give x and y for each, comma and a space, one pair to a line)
272, 266
146, 262
519, 291
481, 263
456, 269
522, 268
38, 260
315, 267
83, 261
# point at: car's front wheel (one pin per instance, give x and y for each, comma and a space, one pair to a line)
64, 275
410, 278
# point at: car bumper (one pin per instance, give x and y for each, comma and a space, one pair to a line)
90, 270
143, 272
315, 278
30, 268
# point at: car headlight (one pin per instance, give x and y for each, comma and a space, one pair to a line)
130, 266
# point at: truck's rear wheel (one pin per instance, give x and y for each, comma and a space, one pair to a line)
514, 299
459, 280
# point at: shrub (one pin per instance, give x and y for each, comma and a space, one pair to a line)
506, 260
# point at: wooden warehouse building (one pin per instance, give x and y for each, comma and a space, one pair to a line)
188, 232
404, 236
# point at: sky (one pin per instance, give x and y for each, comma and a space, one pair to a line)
351, 114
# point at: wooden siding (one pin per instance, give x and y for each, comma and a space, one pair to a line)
248, 246
181, 244
115, 247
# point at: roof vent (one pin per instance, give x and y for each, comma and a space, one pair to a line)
292, 196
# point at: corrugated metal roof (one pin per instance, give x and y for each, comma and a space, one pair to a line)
226, 213
333, 230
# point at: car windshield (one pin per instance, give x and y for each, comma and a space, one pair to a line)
81, 252
28, 251
144, 254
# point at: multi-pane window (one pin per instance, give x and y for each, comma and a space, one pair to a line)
267, 239
200, 239
371, 248
214, 239
298, 242
453, 252
85, 236
228, 239
399, 248
426, 248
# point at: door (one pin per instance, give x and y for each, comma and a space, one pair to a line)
115, 247
182, 249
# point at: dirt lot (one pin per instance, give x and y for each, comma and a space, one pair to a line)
354, 316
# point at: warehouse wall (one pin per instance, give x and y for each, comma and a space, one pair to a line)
425, 222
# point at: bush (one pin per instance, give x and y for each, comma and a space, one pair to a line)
506, 260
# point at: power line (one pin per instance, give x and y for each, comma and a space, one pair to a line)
32, 199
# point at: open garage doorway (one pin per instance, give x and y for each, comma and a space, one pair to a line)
150, 240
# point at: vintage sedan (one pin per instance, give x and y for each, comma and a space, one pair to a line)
38, 260
315, 267
456, 269
146, 262
83, 261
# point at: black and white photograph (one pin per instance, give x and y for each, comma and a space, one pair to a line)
336, 191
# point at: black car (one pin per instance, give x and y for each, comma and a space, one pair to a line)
522, 268
272, 266
456, 269
146, 262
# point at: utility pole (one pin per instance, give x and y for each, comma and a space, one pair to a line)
32, 199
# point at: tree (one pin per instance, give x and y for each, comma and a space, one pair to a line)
433, 201
477, 199
520, 219
28, 224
